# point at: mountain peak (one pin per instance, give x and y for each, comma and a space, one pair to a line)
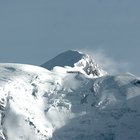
67, 58
75, 61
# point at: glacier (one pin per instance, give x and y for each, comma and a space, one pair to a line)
69, 97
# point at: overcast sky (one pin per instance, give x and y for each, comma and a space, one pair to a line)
33, 31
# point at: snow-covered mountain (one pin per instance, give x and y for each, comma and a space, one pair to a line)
66, 103
75, 61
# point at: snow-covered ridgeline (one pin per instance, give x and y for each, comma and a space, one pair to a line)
68, 102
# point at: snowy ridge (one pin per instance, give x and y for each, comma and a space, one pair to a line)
38, 104
75, 61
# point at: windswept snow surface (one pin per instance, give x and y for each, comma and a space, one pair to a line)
75, 61
38, 104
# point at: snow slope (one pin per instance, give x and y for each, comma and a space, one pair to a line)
75, 61
38, 104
